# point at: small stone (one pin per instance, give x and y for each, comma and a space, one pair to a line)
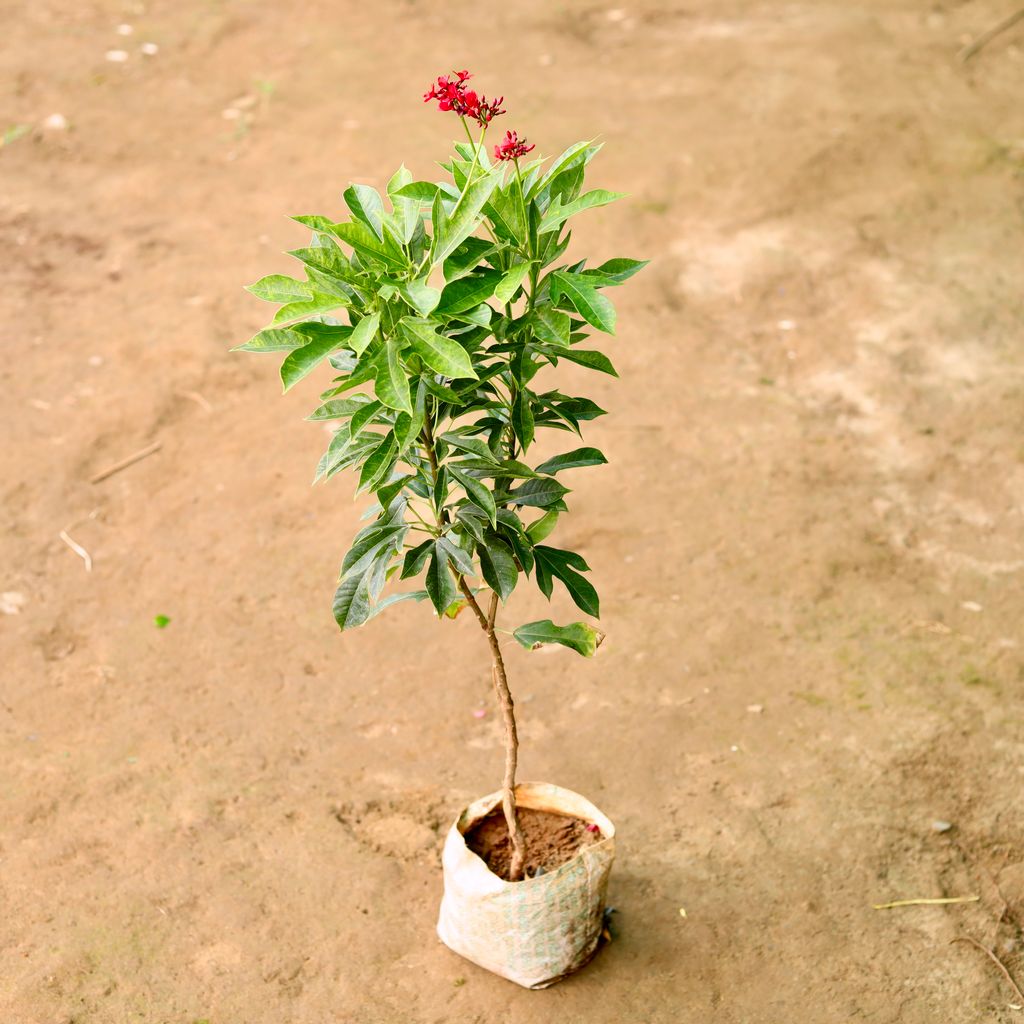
116, 56
682, 911
941, 826
735, 749
616, 14
95, 360
150, 49
124, 30
11, 602
56, 123
755, 709
230, 114
479, 713
786, 325
971, 606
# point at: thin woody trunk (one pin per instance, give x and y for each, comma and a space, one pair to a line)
508, 795
508, 786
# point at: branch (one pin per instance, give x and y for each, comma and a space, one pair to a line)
486, 625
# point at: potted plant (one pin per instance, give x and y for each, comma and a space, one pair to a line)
444, 311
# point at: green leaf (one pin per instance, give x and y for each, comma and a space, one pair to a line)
507, 468
389, 490
543, 527
439, 583
510, 283
319, 303
557, 213
354, 371
352, 600
441, 354
467, 292
408, 427
478, 315
367, 207
362, 418
363, 333
422, 191
522, 419
457, 556
563, 565
505, 212
461, 222
407, 211
377, 462
416, 558
273, 340
337, 408
478, 492
411, 595
441, 392
538, 493
579, 636
588, 357
471, 444
588, 302
572, 460
498, 566
391, 381
301, 361
550, 325
579, 152
466, 258
614, 271
420, 296
314, 222
473, 519
367, 244
279, 288
379, 536
329, 260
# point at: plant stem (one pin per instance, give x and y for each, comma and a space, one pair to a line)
500, 679
508, 794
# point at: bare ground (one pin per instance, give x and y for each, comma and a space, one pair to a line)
814, 507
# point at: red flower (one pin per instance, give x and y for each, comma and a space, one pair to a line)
512, 148
487, 110
452, 94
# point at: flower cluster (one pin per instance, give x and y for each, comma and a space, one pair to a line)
512, 148
452, 93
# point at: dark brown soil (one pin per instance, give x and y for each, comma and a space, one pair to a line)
551, 840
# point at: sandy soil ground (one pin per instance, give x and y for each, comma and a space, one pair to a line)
809, 540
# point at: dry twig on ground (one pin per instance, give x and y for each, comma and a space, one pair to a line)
125, 463
999, 963
988, 35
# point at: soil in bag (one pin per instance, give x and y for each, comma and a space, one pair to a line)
551, 840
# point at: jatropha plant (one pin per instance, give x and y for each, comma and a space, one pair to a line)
458, 306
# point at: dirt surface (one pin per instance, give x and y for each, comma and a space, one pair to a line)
551, 840
809, 539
